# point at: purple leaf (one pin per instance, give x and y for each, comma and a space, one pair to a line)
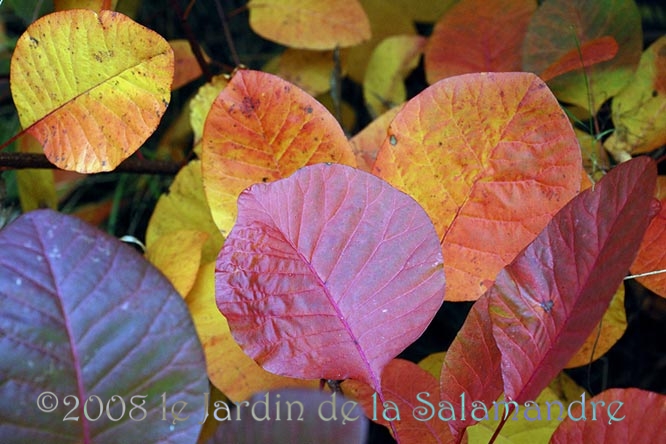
329, 273
82, 315
292, 416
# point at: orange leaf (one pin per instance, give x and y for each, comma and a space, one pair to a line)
259, 129
367, 142
108, 81
651, 254
491, 157
478, 36
310, 24
229, 368
590, 53
187, 67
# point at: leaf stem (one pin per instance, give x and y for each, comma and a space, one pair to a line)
194, 44
227, 33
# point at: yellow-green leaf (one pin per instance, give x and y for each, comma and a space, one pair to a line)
310, 24
36, 187
90, 87
391, 62
639, 110
309, 70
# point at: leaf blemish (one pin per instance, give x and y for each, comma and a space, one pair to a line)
547, 306
393, 140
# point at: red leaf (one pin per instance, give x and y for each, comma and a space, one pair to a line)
590, 53
408, 391
603, 423
548, 300
329, 274
471, 370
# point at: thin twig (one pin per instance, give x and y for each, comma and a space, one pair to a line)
227, 33
17, 161
194, 44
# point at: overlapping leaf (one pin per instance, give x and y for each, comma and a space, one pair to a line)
478, 36
546, 303
639, 110
310, 24
366, 143
391, 62
559, 29
491, 157
309, 70
186, 65
259, 129
590, 53
329, 274
108, 81
651, 256
82, 314
412, 403
229, 369
619, 416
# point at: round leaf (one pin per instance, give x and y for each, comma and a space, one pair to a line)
108, 81
329, 274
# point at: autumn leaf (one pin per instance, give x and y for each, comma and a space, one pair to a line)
619, 417
329, 274
259, 129
228, 367
185, 208
98, 114
36, 188
391, 62
310, 24
96, 323
406, 390
560, 29
546, 303
639, 110
590, 53
366, 143
309, 70
478, 36
651, 255
491, 157
186, 65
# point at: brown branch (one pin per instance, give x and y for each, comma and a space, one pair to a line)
18, 161
194, 44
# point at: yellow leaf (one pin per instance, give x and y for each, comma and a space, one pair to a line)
433, 363
613, 326
310, 24
90, 87
177, 255
386, 19
201, 103
391, 62
309, 70
229, 368
36, 187
185, 208
639, 110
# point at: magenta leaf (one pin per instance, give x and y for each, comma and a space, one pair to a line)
83, 316
292, 416
329, 273
546, 303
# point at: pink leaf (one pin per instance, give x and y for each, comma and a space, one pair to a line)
545, 304
329, 273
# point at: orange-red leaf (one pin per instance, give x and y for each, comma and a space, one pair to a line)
310, 24
478, 36
616, 416
259, 129
90, 87
590, 53
367, 142
491, 157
